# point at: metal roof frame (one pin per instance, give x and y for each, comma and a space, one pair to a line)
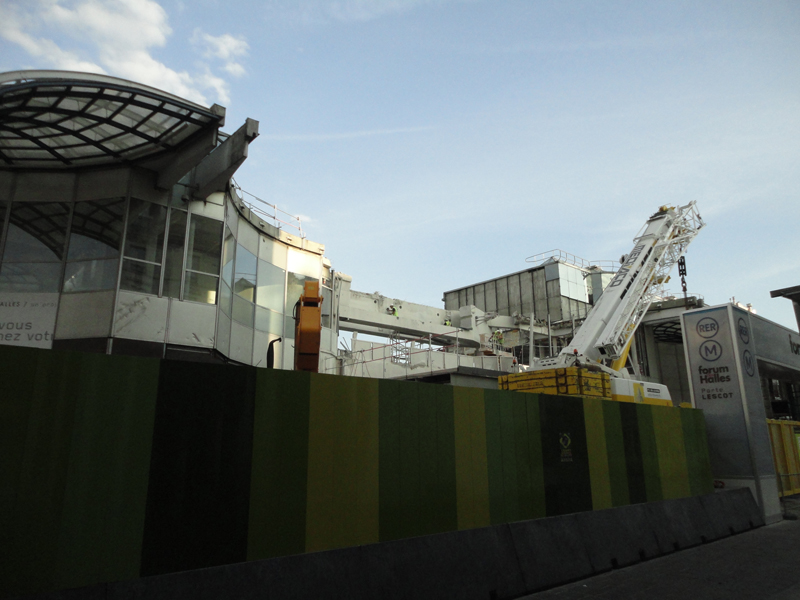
59, 120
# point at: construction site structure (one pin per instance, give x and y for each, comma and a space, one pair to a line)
604, 339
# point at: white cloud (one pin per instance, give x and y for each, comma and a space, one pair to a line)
325, 137
224, 47
316, 11
116, 37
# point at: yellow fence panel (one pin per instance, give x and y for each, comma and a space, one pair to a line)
785, 438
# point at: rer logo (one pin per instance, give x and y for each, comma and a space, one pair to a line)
707, 327
744, 332
749, 363
710, 350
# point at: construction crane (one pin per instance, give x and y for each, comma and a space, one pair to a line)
603, 340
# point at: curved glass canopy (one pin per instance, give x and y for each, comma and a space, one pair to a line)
66, 120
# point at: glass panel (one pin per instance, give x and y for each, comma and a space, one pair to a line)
294, 288
289, 323
173, 267
245, 277
271, 281
326, 306
3, 206
205, 245
227, 257
242, 311
87, 275
304, 263
30, 277
272, 251
140, 277
200, 288
269, 321
96, 230
225, 298
36, 232
145, 239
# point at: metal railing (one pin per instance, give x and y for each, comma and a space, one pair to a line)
271, 212
609, 266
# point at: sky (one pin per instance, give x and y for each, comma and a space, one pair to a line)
433, 144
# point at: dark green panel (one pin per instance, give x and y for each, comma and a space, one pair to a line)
647, 442
17, 373
505, 401
391, 511
565, 455
33, 553
278, 486
633, 452
537, 507
615, 447
696, 444
494, 456
106, 490
438, 508
199, 490
525, 501
410, 461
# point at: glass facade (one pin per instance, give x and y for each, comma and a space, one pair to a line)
94, 243
34, 247
159, 250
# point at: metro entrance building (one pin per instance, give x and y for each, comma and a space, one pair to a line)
120, 231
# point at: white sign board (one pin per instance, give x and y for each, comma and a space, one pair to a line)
28, 319
723, 371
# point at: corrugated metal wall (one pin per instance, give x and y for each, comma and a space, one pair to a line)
116, 467
556, 289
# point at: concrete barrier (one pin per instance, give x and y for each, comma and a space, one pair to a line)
500, 562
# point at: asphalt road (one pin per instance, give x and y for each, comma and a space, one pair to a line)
763, 564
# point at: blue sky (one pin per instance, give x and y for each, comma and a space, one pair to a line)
431, 144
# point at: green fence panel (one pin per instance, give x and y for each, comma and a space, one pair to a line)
343, 463
106, 488
637, 487
671, 445
617, 462
18, 368
38, 508
699, 465
568, 486
199, 489
647, 442
279, 479
437, 467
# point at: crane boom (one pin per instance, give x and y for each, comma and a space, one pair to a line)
610, 325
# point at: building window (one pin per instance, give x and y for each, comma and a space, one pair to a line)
271, 283
269, 321
94, 242
203, 260
245, 275
3, 210
176, 242
34, 247
228, 254
144, 243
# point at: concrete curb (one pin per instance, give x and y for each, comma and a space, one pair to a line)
499, 562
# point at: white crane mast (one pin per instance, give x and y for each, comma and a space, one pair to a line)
609, 327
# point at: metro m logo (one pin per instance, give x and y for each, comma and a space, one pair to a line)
710, 350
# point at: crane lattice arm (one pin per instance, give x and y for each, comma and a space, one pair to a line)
612, 322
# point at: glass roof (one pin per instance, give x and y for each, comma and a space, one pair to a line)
60, 120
